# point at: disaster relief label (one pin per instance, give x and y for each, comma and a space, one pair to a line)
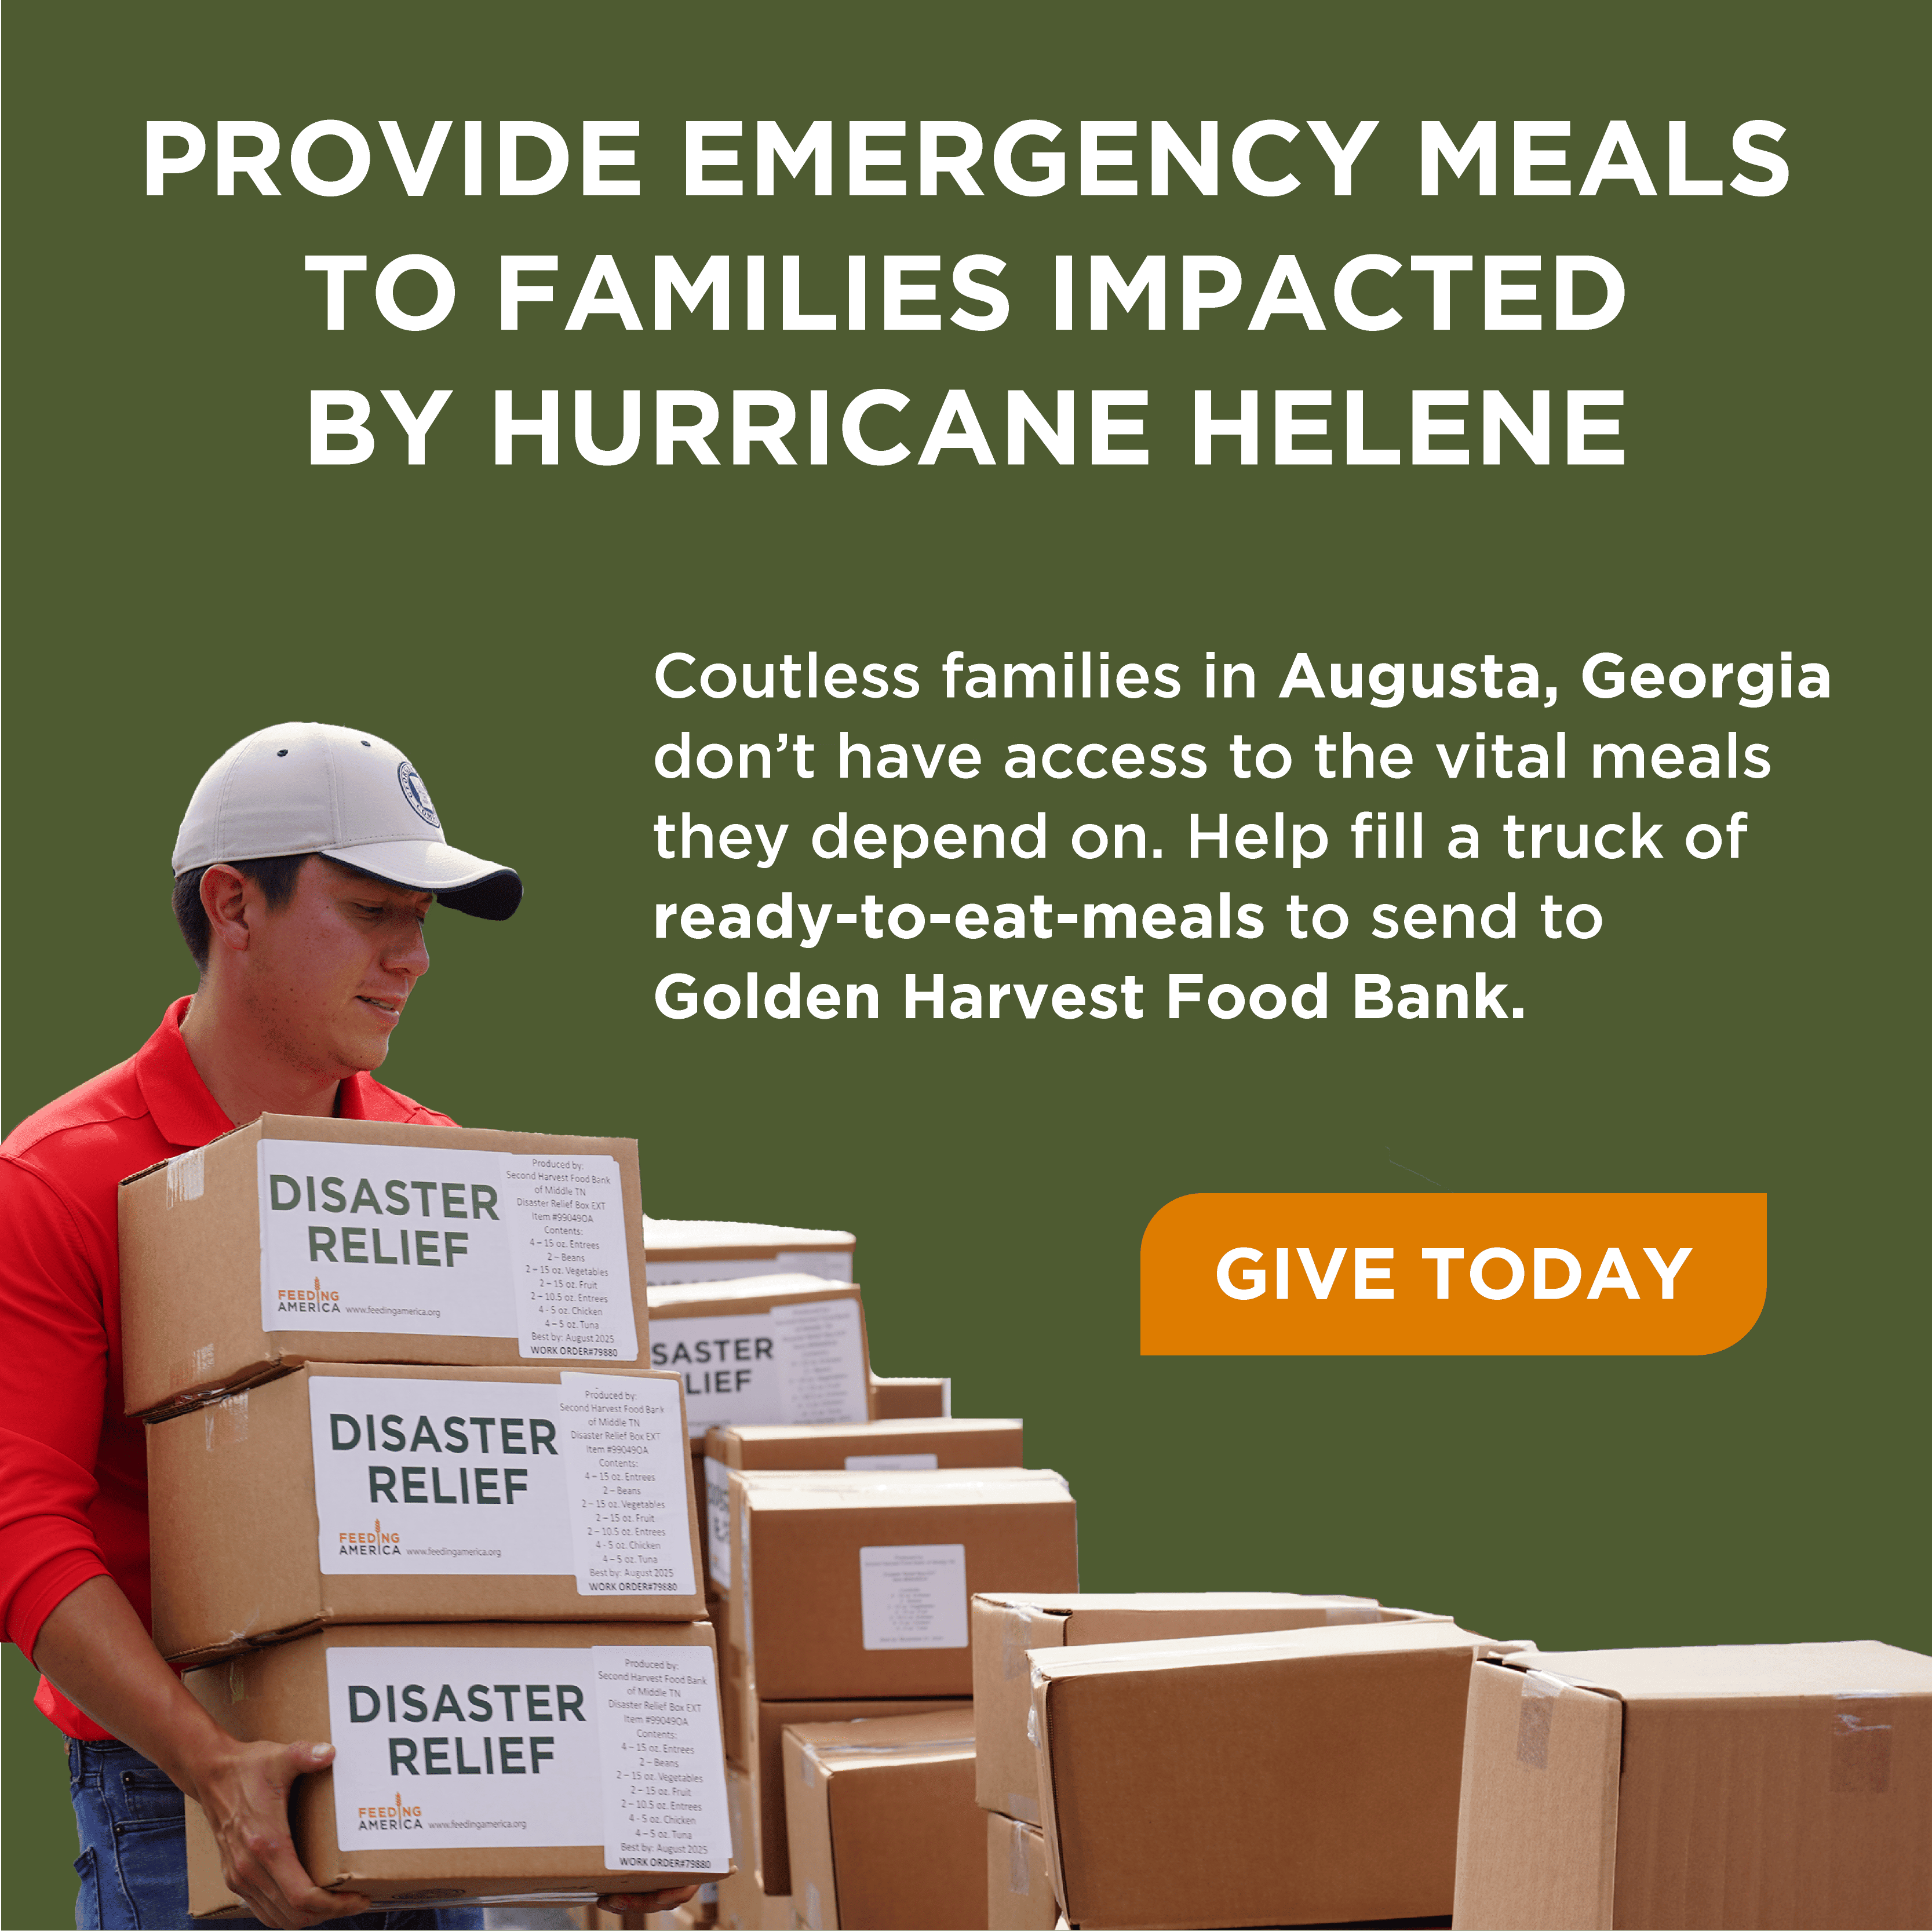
448, 1749
417, 1478
664, 1804
627, 1464
912, 1596
805, 1362
718, 1520
447, 1241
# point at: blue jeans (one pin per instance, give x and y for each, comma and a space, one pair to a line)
133, 1866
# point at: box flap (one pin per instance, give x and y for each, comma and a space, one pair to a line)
924, 1489
859, 1743
1746, 1669
749, 1294
1321, 1641
726, 1240
1537, 1836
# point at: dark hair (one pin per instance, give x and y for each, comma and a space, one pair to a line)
276, 877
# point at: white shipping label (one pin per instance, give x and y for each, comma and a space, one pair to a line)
583, 1477
410, 1241
912, 1596
628, 1465
805, 1362
449, 1748
910, 1460
664, 1804
718, 1520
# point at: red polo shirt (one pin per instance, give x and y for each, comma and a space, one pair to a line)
74, 1468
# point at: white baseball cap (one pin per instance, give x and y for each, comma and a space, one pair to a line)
346, 794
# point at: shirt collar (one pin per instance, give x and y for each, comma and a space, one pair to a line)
183, 1110
186, 1113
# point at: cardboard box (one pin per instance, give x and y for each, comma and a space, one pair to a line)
743, 1902
1019, 1886
352, 1492
764, 1763
1734, 1785
896, 1396
751, 1906
1306, 1777
587, 1733
293, 1239
856, 1584
697, 1916
882, 1826
782, 1347
1005, 1625
679, 1252
928, 1442
735, 1695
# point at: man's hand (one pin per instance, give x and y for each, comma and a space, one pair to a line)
631, 1906
245, 1795
93, 1646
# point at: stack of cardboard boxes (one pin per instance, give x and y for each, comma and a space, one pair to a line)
416, 1491
1064, 1806
848, 1606
433, 1481
841, 1544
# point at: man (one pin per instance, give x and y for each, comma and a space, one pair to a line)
307, 862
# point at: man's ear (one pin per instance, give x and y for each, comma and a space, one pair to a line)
224, 898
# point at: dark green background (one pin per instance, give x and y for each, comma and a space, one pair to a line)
180, 576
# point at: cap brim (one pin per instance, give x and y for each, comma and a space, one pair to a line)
460, 879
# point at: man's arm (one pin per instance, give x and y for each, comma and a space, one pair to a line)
93, 1647
60, 1605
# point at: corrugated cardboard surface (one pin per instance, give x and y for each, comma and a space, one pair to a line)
959, 1442
764, 1761
733, 1702
884, 1829
283, 1693
754, 1294
897, 1396
191, 1278
231, 1492
1308, 1777
1005, 1625
741, 1901
1019, 1887
1536, 1842
739, 1240
795, 1608
1757, 1785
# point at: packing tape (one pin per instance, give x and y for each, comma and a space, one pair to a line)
1354, 1613
1861, 1740
1016, 1872
1019, 1805
187, 1176
814, 1914
829, 1755
1016, 1634
1540, 1691
744, 1576
225, 1421
808, 1771
237, 1683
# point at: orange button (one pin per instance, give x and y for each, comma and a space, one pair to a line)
1452, 1274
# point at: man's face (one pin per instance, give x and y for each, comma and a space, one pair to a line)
329, 973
